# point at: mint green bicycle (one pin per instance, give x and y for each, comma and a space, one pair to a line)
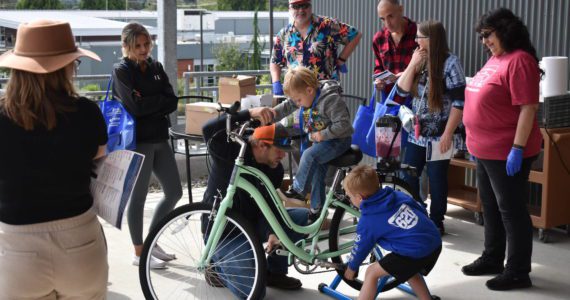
198, 233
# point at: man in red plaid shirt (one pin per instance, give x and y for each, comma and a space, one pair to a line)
393, 45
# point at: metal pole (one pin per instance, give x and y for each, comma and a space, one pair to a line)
270, 27
201, 48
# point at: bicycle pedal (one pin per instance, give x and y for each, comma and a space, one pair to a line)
277, 250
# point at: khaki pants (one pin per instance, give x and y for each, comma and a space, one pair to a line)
63, 259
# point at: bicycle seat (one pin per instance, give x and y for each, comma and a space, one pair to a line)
351, 157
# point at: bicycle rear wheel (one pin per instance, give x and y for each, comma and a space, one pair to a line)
398, 184
238, 263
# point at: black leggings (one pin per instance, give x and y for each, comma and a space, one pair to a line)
159, 159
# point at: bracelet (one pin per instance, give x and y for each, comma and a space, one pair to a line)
341, 59
518, 146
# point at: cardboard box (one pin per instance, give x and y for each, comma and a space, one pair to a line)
197, 114
232, 89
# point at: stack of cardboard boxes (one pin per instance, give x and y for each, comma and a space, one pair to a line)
230, 89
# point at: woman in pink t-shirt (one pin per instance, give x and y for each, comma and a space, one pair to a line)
502, 133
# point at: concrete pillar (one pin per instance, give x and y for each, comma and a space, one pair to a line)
166, 42
167, 38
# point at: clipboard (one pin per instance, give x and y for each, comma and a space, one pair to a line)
433, 153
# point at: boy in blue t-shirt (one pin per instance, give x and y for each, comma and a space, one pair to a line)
395, 222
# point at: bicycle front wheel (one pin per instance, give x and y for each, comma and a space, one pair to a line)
237, 269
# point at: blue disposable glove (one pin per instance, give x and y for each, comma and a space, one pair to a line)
277, 88
514, 161
343, 69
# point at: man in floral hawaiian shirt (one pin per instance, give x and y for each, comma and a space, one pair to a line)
312, 41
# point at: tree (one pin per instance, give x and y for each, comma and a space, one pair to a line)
39, 4
255, 63
241, 5
229, 57
102, 4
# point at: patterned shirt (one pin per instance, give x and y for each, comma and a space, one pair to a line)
453, 96
392, 57
318, 51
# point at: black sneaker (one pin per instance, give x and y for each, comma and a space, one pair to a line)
212, 278
283, 282
313, 216
483, 266
506, 281
292, 193
440, 228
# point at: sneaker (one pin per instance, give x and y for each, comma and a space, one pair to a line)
154, 262
293, 194
313, 216
160, 254
483, 266
441, 229
212, 277
283, 282
506, 281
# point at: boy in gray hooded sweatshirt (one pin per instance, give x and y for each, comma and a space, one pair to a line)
325, 121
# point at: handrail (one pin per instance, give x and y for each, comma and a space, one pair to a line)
186, 75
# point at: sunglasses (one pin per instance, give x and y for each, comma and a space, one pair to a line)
485, 35
300, 6
418, 37
282, 142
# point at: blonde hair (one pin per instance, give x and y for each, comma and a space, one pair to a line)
36, 99
361, 180
129, 37
298, 79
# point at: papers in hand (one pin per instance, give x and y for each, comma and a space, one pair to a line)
433, 151
386, 76
113, 183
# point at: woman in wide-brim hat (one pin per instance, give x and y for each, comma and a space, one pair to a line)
51, 241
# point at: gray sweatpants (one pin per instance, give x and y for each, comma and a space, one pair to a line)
159, 159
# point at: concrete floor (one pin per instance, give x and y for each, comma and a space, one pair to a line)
462, 244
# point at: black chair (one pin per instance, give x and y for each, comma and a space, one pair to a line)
178, 132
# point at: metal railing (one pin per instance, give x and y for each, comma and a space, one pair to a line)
81, 78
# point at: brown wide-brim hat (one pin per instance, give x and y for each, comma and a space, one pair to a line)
43, 46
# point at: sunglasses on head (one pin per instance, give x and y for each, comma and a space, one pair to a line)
282, 141
300, 6
485, 35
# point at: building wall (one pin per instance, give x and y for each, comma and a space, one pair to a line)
547, 20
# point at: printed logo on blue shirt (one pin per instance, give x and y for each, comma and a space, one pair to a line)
404, 218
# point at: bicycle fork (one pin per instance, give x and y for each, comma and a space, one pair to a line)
220, 220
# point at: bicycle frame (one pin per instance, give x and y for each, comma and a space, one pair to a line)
238, 181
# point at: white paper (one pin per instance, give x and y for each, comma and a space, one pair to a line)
114, 178
266, 100
433, 151
250, 101
556, 75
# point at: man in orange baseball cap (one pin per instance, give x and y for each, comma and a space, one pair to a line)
267, 147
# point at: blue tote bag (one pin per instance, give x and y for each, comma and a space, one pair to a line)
120, 124
380, 110
363, 120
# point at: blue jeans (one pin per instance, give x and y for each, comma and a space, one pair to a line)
237, 272
508, 226
313, 168
437, 178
